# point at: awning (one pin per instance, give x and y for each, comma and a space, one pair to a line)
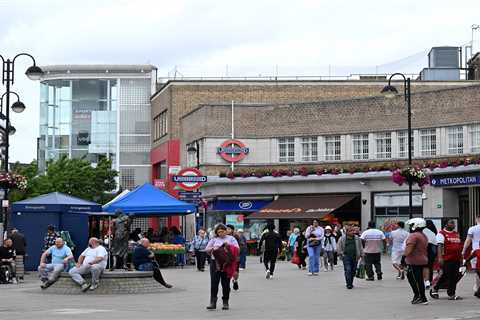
302, 207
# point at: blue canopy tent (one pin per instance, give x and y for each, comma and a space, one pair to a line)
147, 200
32, 216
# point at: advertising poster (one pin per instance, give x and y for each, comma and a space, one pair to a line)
235, 219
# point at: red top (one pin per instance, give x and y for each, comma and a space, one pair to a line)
476, 254
419, 255
452, 246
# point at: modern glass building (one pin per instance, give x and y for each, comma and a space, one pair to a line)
96, 111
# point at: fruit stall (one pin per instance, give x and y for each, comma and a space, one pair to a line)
165, 248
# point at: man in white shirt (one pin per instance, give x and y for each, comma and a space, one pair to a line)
373, 241
93, 260
473, 239
398, 236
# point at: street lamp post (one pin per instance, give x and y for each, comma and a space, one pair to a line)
390, 91
8, 78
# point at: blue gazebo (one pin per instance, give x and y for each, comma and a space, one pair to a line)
147, 200
32, 216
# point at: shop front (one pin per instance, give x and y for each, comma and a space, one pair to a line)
236, 211
290, 211
455, 196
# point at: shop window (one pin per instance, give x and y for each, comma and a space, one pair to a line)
428, 142
402, 138
286, 149
384, 145
360, 146
455, 140
310, 149
475, 138
332, 148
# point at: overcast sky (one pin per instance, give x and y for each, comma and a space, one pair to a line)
201, 37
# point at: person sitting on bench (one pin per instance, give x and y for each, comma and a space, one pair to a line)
61, 255
93, 260
144, 260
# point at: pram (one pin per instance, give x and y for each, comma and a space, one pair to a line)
443, 285
5, 274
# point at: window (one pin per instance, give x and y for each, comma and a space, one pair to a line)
475, 137
310, 149
455, 140
332, 148
161, 170
402, 138
360, 146
160, 125
384, 145
286, 149
428, 142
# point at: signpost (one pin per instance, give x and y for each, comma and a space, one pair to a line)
189, 179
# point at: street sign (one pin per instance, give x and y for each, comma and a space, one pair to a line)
189, 179
189, 194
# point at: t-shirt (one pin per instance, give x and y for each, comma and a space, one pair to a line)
140, 256
474, 233
6, 253
373, 240
419, 255
350, 247
58, 254
398, 239
91, 253
431, 237
452, 245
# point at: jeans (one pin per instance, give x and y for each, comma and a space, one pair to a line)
313, 259
51, 272
217, 277
180, 259
350, 268
450, 275
269, 259
373, 259
76, 273
289, 252
145, 267
415, 279
243, 259
201, 257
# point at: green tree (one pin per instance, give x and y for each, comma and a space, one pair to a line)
76, 177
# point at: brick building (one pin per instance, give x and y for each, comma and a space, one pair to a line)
297, 128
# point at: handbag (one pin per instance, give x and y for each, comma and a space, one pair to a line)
313, 243
295, 258
222, 256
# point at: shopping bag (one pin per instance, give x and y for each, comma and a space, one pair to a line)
360, 270
295, 258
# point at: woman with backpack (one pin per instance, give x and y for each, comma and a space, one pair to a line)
223, 250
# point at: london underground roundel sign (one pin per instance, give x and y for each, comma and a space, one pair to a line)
232, 150
189, 179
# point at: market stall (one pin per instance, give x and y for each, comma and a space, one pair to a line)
148, 201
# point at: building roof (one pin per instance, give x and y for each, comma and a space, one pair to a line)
95, 70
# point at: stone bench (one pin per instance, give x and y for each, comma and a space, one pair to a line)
111, 282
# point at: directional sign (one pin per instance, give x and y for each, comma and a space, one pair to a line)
189, 179
190, 193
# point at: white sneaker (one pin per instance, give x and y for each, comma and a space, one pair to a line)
310, 274
271, 276
241, 269
427, 284
325, 270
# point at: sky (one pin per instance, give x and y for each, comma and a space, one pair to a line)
224, 37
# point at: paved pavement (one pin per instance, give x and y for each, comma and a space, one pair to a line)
291, 295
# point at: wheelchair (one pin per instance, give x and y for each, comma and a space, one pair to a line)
6, 275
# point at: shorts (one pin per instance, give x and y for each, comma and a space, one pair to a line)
397, 257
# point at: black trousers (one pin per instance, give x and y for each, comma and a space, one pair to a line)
373, 259
201, 257
415, 279
449, 276
269, 259
302, 256
215, 278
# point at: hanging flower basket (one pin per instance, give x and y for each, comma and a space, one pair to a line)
13, 181
413, 174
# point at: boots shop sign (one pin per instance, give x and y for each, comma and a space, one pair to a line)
233, 150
